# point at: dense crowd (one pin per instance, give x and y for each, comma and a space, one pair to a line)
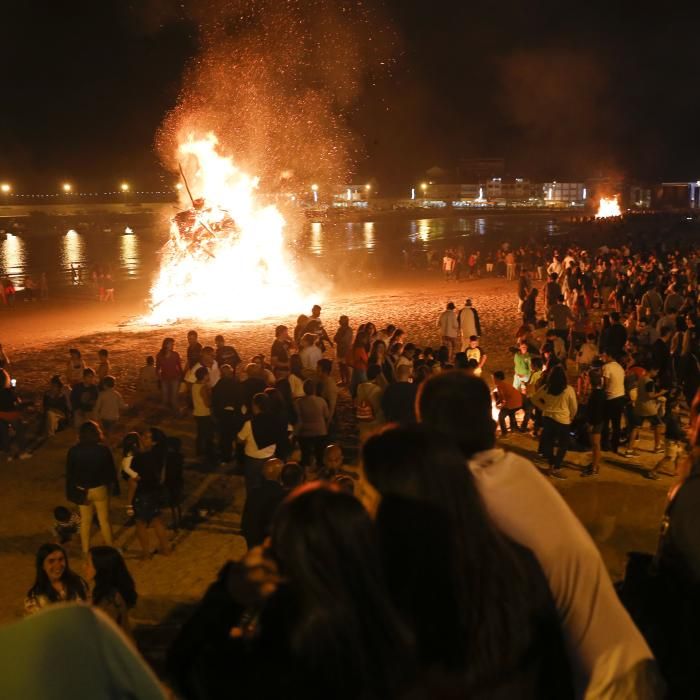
442, 565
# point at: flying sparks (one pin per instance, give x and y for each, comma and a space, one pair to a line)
608, 207
226, 259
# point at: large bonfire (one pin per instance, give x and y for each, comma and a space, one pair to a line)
608, 208
227, 259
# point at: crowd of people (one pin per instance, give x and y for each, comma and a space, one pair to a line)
442, 564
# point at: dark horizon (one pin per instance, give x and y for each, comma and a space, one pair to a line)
559, 93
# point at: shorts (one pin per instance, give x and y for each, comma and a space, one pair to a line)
595, 428
146, 507
653, 420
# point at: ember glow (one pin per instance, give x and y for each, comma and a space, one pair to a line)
608, 207
226, 259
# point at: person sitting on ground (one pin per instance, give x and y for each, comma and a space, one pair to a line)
399, 398
261, 504
494, 622
508, 400
112, 587
607, 653
321, 589
55, 581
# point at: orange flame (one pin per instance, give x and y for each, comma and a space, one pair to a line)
608, 207
226, 259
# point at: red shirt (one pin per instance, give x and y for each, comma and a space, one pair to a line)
509, 395
169, 367
359, 359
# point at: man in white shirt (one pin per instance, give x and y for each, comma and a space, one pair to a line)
449, 329
614, 385
207, 360
608, 654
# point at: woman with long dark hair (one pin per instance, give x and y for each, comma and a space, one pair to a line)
359, 361
113, 589
90, 475
558, 403
169, 371
149, 466
279, 411
478, 603
55, 581
258, 435
321, 624
378, 356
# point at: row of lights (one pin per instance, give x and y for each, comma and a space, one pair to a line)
67, 187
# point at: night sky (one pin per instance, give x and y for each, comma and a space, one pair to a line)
560, 90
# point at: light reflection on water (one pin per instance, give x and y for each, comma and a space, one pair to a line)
369, 234
72, 250
12, 259
358, 245
129, 254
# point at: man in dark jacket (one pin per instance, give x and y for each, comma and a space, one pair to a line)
399, 398
261, 504
226, 403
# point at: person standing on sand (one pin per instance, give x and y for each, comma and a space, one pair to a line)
449, 329
169, 371
469, 324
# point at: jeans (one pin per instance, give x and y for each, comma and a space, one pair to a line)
358, 376
99, 499
554, 435
510, 414
253, 472
613, 414
205, 437
229, 424
169, 389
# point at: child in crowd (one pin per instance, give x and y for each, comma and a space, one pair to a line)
103, 367
109, 407
476, 352
66, 524
147, 381
75, 367
343, 344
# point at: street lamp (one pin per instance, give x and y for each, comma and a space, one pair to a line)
5, 188
424, 187
67, 187
178, 186
124, 187
314, 189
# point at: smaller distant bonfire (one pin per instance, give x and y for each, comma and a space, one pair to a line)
227, 258
608, 208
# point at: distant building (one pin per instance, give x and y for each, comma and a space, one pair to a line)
564, 193
509, 189
480, 170
678, 195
